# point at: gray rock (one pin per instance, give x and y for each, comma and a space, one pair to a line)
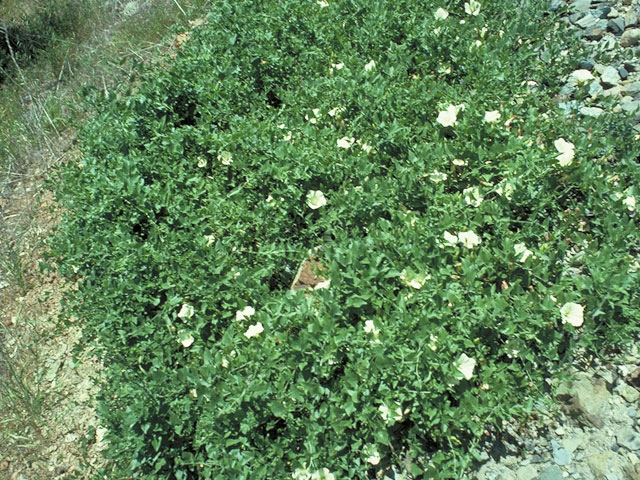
628, 438
556, 5
630, 19
627, 392
603, 11
599, 464
551, 473
593, 33
587, 399
574, 17
623, 73
630, 37
594, 112
527, 472
571, 444
587, 64
609, 77
560, 455
595, 89
631, 89
616, 25
580, 5
587, 21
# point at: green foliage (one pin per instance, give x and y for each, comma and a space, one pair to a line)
190, 204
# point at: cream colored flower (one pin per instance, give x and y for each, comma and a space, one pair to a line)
414, 280
450, 238
505, 188
433, 342
630, 203
448, 117
316, 199
469, 239
582, 75
370, 327
522, 251
337, 66
186, 339
254, 330
472, 7
336, 111
458, 162
323, 4
186, 311
246, 312
572, 313
224, 363
225, 158
374, 457
210, 239
492, 116
566, 152
465, 365
346, 142
370, 66
441, 14
202, 162
437, 177
472, 196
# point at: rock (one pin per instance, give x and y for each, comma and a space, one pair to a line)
599, 464
594, 112
581, 75
551, 473
630, 19
607, 43
630, 37
587, 64
613, 13
609, 77
587, 21
560, 455
632, 471
623, 73
593, 33
616, 25
571, 444
494, 471
628, 439
574, 17
603, 11
586, 398
528, 472
631, 89
627, 392
580, 5
634, 377
555, 5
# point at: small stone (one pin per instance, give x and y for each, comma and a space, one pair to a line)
615, 447
607, 43
609, 77
630, 37
634, 377
527, 472
603, 11
574, 17
612, 92
580, 5
627, 392
613, 13
628, 439
536, 459
616, 25
556, 5
631, 89
571, 444
630, 19
594, 112
582, 75
623, 73
593, 33
551, 473
560, 455
587, 64
587, 21
630, 67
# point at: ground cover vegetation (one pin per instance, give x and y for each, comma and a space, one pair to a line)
470, 238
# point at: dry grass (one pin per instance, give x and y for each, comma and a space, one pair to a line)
47, 423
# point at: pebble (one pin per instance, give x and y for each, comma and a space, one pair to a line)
630, 37
630, 19
586, 21
581, 5
610, 77
551, 473
593, 33
627, 392
623, 73
594, 112
560, 455
616, 25
587, 64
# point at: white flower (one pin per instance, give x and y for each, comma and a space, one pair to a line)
224, 363
323, 4
630, 203
202, 162
472, 196
477, 43
288, 136
433, 342
367, 148
492, 116
450, 238
458, 162
414, 280
193, 393
335, 111
346, 142
441, 14
472, 7
254, 330
469, 239
374, 458
186, 311
505, 188
437, 177
465, 365
186, 339
572, 313
566, 151
370, 327
370, 66
582, 75
246, 312
522, 251
337, 66
448, 117
225, 158
387, 415
315, 199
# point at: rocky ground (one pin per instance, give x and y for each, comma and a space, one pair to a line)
593, 432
